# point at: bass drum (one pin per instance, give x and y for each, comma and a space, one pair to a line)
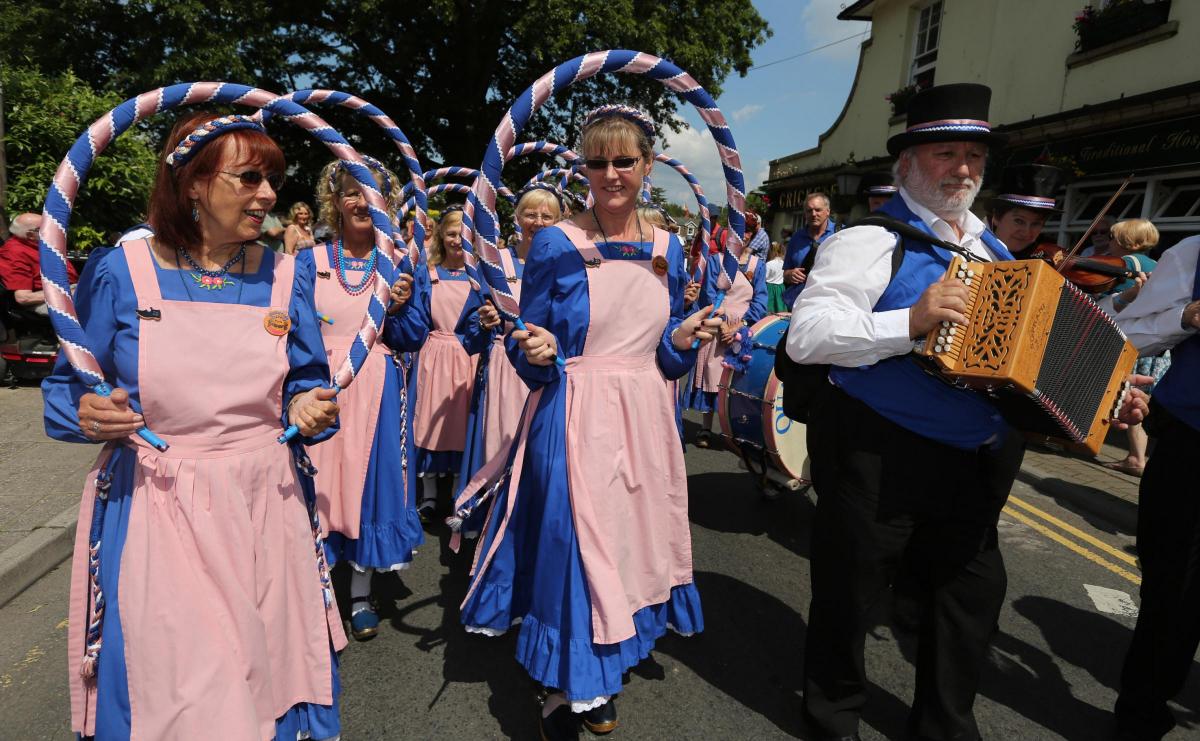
750, 408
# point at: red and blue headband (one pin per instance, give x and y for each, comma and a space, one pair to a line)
626, 112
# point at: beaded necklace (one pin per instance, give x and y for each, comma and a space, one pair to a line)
339, 262
211, 280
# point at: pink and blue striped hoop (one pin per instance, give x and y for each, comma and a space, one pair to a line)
701, 202
72, 174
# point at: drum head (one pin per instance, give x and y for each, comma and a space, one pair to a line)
787, 440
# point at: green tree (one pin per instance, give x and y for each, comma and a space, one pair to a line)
43, 117
444, 70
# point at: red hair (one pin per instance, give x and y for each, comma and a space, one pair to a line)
170, 209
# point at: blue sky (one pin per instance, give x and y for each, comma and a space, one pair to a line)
776, 110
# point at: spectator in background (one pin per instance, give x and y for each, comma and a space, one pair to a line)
775, 302
801, 249
1100, 238
756, 237
299, 233
1131, 240
272, 232
21, 267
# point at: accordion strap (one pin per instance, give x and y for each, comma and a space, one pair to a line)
908, 231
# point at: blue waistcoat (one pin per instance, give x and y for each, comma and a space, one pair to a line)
1179, 389
899, 388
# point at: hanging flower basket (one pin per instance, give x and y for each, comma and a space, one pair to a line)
1118, 20
900, 98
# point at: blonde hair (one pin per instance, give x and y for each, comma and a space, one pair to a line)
291, 216
652, 216
437, 253
538, 197
777, 250
613, 133
327, 198
1134, 235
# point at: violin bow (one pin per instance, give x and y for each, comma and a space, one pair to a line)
1092, 227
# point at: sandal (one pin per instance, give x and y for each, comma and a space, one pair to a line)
703, 439
1124, 468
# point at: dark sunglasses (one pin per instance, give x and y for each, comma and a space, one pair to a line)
621, 164
254, 178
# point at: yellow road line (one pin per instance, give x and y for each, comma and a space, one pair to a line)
1063, 540
1110, 550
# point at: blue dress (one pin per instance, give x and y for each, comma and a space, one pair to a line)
389, 531
536, 575
107, 306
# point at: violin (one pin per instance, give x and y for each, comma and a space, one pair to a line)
1096, 274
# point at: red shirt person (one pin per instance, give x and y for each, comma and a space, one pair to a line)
20, 265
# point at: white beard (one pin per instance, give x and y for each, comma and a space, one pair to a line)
929, 194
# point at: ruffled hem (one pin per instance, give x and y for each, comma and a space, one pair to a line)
438, 461
382, 547
587, 671
490, 632
586, 705
700, 400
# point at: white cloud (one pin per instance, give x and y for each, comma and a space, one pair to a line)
819, 25
697, 151
746, 112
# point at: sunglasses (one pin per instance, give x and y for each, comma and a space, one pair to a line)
254, 178
620, 164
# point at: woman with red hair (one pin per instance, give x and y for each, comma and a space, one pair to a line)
201, 605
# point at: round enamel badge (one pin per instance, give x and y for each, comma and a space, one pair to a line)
660, 264
750, 275
277, 323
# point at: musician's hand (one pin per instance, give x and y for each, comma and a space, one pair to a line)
489, 318
691, 293
401, 292
313, 411
794, 276
1191, 316
108, 417
698, 326
1136, 405
539, 344
944, 301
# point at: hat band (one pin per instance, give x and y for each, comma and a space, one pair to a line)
966, 125
882, 190
1031, 201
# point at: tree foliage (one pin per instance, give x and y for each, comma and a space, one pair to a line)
444, 70
44, 114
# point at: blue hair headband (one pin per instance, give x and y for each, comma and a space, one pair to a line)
203, 134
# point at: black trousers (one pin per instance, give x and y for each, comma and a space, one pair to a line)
885, 495
1168, 540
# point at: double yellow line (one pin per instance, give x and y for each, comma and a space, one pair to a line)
1060, 538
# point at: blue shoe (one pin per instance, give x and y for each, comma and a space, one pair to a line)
364, 624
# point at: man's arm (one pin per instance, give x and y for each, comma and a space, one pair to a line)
29, 298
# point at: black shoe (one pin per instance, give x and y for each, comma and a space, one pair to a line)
560, 725
703, 439
603, 719
426, 510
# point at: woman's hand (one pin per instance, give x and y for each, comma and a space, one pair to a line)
698, 326
539, 344
401, 293
108, 417
729, 330
691, 292
1191, 316
489, 318
313, 411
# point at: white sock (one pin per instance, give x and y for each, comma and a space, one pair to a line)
553, 702
360, 586
428, 488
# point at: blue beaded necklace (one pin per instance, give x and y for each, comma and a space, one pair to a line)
339, 262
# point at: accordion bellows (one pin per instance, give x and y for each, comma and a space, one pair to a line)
1054, 364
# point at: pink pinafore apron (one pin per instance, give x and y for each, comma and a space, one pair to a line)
708, 360
628, 483
506, 392
225, 623
341, 461
445, 373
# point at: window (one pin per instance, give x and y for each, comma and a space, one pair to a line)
928, 28
1171, 202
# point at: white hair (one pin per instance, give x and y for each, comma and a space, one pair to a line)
23, 223
928, 193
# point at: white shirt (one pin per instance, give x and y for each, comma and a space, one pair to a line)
1152, 321
833, 322
775, 271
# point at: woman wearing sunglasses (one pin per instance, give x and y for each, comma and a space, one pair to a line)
365, 493
587, 545
200, 606
499, 394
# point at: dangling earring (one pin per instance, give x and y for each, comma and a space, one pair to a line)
195, 210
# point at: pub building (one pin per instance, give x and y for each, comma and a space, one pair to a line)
1110, 93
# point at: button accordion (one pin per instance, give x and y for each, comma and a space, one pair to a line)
1053, 363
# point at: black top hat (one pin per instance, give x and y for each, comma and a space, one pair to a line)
947, 113
876, 184
1030, 186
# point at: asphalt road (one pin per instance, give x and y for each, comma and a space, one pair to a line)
1071, 604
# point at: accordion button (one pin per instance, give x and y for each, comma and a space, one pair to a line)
945, 324
970, 273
